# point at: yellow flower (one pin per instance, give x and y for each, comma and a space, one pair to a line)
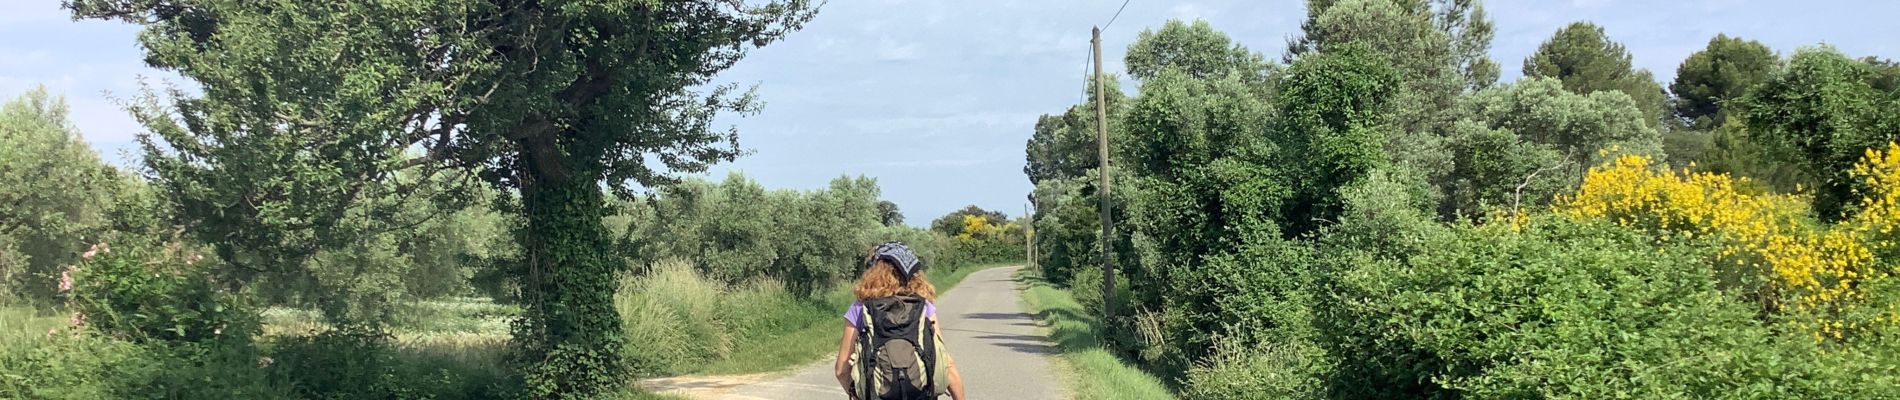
1812, 270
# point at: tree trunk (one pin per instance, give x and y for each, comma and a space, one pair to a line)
569, 333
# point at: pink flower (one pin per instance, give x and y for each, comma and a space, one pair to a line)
79, 319
66, 280
89, 253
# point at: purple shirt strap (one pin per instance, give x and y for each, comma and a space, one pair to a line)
853, 314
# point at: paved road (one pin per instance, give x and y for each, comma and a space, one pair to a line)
997, 346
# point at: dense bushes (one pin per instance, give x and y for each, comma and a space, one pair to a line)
82, 366
1348, 227
144, 294
1773, 253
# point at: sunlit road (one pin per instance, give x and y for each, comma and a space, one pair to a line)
996, 345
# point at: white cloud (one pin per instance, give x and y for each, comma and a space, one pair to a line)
889, 50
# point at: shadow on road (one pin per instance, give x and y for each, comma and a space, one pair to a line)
996, 316
1030, 344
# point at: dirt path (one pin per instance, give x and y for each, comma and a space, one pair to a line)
998, 349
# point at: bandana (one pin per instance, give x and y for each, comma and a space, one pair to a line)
899, 255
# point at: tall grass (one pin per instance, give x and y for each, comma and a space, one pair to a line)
1093, 372
680, 321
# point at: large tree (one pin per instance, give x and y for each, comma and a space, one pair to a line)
1064, 145
1196, 49
1438, 48
1587, 61
307, 108
1522, 142
1717, 74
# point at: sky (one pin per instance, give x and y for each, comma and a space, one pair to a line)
935, 98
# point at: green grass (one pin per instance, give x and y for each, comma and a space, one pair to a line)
449, 348
817, 336
1091, 371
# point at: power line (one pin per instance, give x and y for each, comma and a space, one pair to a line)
1118, 15
1088, 61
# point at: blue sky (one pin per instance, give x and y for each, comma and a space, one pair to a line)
934, 98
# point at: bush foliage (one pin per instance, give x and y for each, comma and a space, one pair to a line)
1361, 224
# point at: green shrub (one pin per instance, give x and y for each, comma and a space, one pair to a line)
356, 364
144, 293
1284, 371
86, 366
1560, 309
1087, 286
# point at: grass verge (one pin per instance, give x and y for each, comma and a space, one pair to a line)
1091, 371
817, 337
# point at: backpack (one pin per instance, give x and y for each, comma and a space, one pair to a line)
896, 353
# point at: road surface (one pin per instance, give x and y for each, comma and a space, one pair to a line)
998, 348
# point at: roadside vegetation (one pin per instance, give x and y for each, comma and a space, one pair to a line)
1379, 217
1090, 370
106, 292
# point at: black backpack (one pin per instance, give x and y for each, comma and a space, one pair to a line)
897, 349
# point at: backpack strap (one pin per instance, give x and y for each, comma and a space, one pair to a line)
867, 368
927, 349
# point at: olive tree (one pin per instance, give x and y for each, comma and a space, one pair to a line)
305, 109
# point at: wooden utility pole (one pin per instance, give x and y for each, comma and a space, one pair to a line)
1101, 141
1029, 237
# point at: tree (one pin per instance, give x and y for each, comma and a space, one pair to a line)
1332, 115
1587, 61
1471, 33
1886, 74
1064, 145
888, 214
1721, 72
308, 108
952, 224
1220, 179
1463, 24
1822, 112
1403, 32
56, 191
1438, 49
1196, 49
1581, 125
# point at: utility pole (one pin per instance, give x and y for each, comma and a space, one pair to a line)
1029, 237
1101, 141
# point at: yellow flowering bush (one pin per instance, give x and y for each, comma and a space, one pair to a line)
1768, 244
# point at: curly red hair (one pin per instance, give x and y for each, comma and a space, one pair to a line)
880, 280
